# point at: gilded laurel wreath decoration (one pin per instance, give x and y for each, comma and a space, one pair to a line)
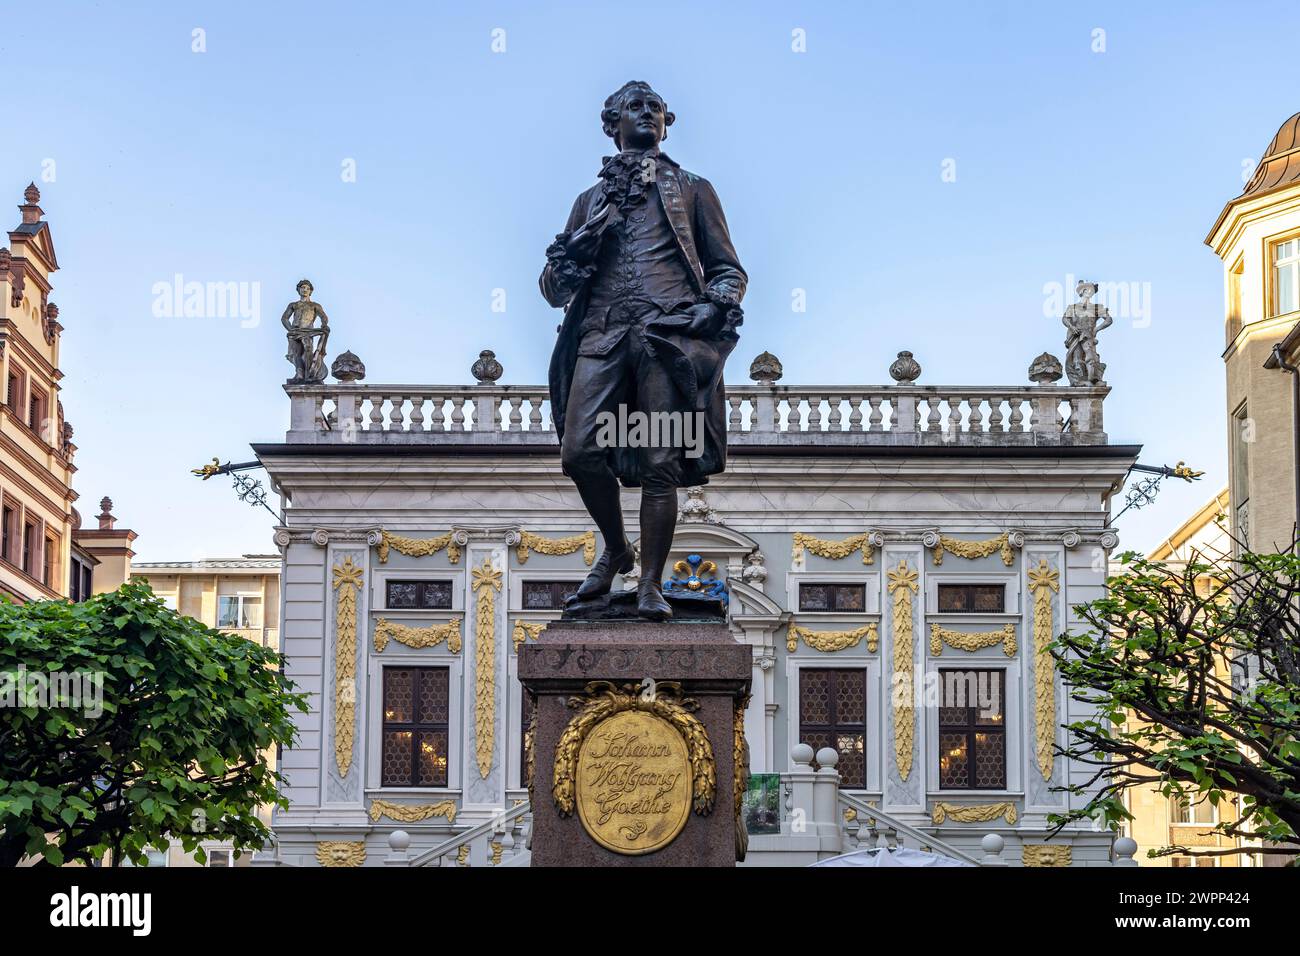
965, 813
831, 641
347, 582
418, 547
526, 630
973, 640
1043, 581
834, 550
412, 813
386, 630
976, 549
603, 699
485, 581
902, 585
529, 542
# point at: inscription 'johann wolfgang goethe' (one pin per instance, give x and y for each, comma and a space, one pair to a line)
633, 783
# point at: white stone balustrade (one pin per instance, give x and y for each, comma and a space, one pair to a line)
756, 415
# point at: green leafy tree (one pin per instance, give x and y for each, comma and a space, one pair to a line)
176, 745
1158, 659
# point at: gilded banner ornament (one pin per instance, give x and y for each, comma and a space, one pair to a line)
973, 640
417, 637
526, 630
834, 550
967, 813
412, 812
831, 641
1001, 545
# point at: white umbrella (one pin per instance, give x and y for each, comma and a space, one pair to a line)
899, 857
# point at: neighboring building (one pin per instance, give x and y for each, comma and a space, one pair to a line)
43, 552
1257, 235
236, 595
1160, 821
961, 523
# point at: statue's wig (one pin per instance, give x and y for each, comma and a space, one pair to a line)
614, 106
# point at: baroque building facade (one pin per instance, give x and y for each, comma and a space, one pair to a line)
898, 557
44, 552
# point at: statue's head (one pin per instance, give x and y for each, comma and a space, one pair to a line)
305, 288
1085, 290
636, 117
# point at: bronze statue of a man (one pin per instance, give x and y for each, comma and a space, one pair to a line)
651, 288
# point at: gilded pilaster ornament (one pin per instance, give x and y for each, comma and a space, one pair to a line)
413, 812
831, 641
462, 855
902, 585
386, 630
976, 549
347, 581
602, 699
526, 630
530, 756
340, 853
973, 640
966, 813
497, 849
529, 542
485, 582
1044, 855
834, 550
740, 773
418, 547
1043, 581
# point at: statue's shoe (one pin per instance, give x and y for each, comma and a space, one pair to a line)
601, 578
650, 602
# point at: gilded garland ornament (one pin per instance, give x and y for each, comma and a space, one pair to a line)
418, 547
1043, 582
340, 853
347, 582
966, 813
485, 582
831, 641
529, 542
412, 813
602, 700
902, 585
530, 756
417, 637
526, 630
976, 549
1046, 855
973, 640
834, 550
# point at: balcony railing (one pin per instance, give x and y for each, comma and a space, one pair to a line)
757, 415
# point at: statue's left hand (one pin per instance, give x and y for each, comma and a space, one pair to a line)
706, 318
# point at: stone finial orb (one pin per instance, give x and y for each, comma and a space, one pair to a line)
348, 368
32, 194
905, 370
487, 369
827, 758
1046, 369
766, 368
399, 841
801, 754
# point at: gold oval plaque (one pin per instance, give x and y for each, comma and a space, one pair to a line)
633, 783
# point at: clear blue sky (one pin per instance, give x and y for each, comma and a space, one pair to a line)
226, 166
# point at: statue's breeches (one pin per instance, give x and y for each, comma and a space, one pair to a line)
606, 389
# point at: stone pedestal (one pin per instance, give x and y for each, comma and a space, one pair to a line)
633, 737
